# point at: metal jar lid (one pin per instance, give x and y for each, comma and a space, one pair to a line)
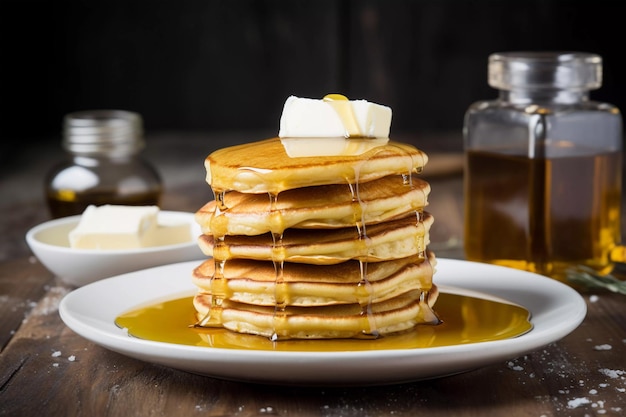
93, 132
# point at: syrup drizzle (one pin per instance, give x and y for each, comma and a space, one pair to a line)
343, 108
365, 293
281, 292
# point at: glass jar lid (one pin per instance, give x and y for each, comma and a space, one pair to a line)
578, 71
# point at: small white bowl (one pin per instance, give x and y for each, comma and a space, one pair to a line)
49, 242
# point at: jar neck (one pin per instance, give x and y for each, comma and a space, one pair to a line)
93, 160
544, 96
103, 148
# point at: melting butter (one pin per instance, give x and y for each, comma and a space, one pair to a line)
334, 116
338, 146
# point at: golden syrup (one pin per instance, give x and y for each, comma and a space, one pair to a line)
464, 319
281, 292
343, 108
219, 285
543, 214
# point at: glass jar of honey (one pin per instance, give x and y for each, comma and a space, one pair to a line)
543, 175
104, 165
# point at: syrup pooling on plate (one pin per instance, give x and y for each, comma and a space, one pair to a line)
465, 319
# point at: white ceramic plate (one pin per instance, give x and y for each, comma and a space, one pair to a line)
556, 311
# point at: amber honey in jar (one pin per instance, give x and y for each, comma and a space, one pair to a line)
543, 166
104, 165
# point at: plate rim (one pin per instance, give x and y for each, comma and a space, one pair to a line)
569, 304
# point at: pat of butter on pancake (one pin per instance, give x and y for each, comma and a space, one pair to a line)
125, 227
333, 117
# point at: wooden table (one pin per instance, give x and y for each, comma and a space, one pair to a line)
46, 369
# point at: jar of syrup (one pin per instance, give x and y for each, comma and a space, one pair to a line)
543, 166
104, 165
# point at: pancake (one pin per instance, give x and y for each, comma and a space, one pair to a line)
265, 167
337, 321
325, 206
384, 241
255, 282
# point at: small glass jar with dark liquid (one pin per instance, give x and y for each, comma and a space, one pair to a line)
104, 165
543, 175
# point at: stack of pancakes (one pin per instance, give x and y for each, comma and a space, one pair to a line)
316, 246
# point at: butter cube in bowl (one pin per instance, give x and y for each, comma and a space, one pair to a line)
110, 240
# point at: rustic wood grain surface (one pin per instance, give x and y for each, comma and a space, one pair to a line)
47, 369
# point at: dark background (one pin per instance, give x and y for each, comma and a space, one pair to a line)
196, 65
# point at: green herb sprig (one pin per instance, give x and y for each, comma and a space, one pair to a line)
589, 278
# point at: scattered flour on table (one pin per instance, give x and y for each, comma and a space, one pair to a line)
511, 365
575, 394
603, 347
50, 303
613, 373
15, 303
57, 354
577, 402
